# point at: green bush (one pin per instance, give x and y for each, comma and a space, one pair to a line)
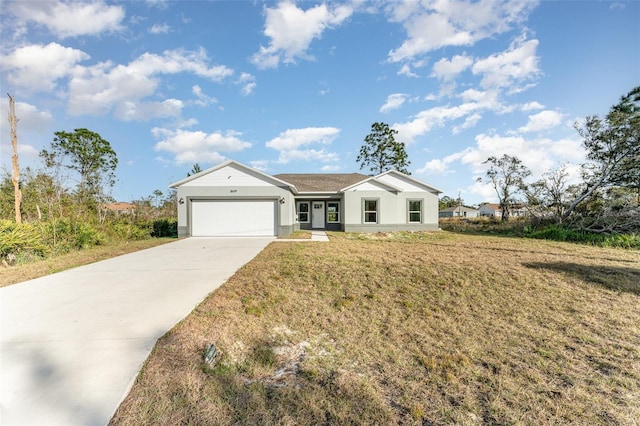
87, 236
131, 231
627, 241
164, 228
21, 238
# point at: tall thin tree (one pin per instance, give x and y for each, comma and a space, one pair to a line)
13, 122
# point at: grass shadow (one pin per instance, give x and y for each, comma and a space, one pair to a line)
615, 278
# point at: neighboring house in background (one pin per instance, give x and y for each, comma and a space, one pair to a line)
120, 208
232, 199
459, 211
494, 210
490, 210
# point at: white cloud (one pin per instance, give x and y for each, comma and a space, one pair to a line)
542, 121
292, 29
531, 106
262, 165
144, 111
247, 83
469, 122
30, 117
394, 101
289, 142
98, 89
39, 67
538, 154
197, 146
307, 155
435, 24
330, 168
160, 29
446, 69
203, 100
514, 66
427, 120
405, 70
433, 167
70, 18
295, 138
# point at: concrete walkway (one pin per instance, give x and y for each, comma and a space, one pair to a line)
72, 343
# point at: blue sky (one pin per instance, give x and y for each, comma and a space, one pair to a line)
293, 87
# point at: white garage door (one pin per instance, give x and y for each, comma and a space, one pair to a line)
212, 218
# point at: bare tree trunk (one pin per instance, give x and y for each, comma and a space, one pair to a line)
16, 170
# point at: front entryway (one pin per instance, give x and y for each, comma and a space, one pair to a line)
317, 215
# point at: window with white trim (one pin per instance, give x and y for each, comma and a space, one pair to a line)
415, 211
333, 212
303, 211
370, 211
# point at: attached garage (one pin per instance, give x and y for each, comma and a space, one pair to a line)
217, 218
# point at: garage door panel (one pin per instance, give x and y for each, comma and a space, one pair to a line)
210, 218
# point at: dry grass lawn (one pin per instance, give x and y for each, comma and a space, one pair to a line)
38, 268
424, 328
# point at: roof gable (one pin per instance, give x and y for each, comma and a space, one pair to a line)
405, 182
231, 173
371, 184
321, 182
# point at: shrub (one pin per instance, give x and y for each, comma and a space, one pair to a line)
18, 239
130, 231
87, 236
164, 228
627, 241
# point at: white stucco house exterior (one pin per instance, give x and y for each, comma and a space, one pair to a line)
232, 199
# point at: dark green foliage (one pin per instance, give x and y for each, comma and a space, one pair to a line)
85, 152
164, 228
381, 151
194, 170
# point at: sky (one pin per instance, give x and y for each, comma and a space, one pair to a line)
294, 87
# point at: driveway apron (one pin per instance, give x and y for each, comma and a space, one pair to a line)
72, 343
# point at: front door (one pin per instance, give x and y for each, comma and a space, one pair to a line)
317, 214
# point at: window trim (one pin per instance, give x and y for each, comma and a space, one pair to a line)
308, 203
337, 212
376, 211
409, 211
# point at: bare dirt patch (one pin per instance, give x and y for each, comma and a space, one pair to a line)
424, 328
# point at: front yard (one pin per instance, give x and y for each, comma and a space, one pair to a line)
424, 328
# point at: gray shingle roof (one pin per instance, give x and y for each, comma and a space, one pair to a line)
321, 182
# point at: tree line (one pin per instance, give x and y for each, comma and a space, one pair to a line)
607, 198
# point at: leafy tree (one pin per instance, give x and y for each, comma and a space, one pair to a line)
86, 153
447, 202
91, 157
506, 175
548, 197
626, 115
613, 149
194, 169
381, 151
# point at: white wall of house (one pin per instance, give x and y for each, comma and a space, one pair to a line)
229, 183
393, 205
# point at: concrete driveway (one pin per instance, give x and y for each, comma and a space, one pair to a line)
72, 343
